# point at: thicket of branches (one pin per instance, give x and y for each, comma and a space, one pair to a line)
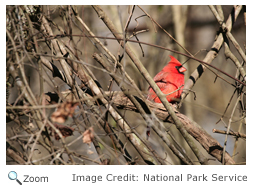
77, 78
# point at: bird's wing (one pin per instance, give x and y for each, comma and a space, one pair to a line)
164, 84
160, 77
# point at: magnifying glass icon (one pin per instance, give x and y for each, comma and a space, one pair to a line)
13, 176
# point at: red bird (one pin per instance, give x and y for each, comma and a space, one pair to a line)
168, 80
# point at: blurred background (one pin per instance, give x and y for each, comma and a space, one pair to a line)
194, 27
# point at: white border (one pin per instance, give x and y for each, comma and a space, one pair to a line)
61, 176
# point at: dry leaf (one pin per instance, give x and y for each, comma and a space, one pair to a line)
65, 131
105, 162
88, 135
31, 125
64, 111
90, 152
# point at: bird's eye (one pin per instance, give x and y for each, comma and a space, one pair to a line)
180, 69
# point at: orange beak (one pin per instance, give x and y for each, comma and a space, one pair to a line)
182, 69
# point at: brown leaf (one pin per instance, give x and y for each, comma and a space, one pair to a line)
105, 162
90, 152
64, 111
65, 131
88, 135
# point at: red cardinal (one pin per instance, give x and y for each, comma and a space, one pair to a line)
168, 80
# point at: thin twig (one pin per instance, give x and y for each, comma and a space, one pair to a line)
144, 115
236, 134
164, 30
228, 129
227, 31
146, 75
205, 64
211, 54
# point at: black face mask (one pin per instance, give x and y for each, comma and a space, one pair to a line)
179, 68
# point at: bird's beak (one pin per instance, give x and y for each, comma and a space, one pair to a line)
182, 69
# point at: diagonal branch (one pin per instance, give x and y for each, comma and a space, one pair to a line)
211, 54
228, 33
102, 15
211, 145
145, 116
